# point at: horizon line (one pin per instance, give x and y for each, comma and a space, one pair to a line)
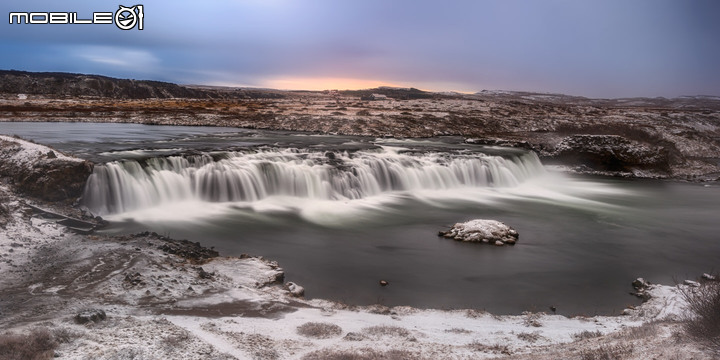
386, 85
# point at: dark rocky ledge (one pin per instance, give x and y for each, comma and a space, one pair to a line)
613, 153
41, 172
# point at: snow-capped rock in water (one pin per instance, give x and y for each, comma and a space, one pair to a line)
485, 231
640, 284
294, 289
709, 277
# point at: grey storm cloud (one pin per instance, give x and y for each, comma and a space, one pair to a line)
602, 49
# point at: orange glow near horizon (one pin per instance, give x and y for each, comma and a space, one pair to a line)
339, 83
296, 83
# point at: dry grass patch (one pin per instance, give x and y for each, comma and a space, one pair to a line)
362, 354
607, 352
36, 345
4, 210
382, 331
532, 319
704, 303
646, 330
587, 334
486, 348
319, 330
64, 335
529, 337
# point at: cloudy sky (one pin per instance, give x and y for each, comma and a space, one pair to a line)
609, 48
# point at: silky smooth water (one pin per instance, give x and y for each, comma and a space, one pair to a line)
338, 226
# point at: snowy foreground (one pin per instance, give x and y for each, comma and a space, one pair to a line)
168, 299
163, 306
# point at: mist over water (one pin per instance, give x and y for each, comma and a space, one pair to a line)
341, 213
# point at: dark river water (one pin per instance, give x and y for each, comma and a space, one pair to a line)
338, 223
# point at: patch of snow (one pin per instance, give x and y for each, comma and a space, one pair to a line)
29, 153
665, 303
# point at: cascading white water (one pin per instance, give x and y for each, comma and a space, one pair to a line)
118, 187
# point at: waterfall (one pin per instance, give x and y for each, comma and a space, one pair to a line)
122, 186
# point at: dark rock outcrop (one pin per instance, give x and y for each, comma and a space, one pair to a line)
640, 284
499, 142
36, 173
192, 251
294, 289
90, 315
54, 180
612, 153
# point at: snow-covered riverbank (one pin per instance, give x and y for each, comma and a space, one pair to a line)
170, 299
161, 305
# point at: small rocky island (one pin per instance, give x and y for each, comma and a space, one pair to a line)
483, 231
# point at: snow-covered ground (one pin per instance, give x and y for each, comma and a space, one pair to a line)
29, 152
162, 306
169, 299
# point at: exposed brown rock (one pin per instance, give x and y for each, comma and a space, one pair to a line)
35, 172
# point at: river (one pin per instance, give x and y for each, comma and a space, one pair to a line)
341, 213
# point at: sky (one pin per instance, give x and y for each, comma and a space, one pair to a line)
607, 49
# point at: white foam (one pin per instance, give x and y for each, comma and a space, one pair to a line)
119, 187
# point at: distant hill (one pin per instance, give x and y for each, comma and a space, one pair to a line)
80, 85
524, 97
394, 93
69, 85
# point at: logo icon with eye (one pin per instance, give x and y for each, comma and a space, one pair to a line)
127, 17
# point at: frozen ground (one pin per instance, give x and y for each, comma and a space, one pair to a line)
163, 302
31, 151
685, 129
170, 299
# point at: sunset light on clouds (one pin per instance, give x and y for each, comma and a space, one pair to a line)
288, 83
